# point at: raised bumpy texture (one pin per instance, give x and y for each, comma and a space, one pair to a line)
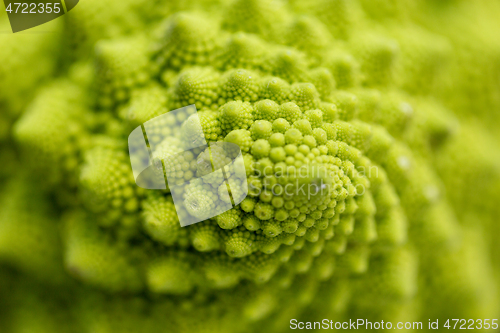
368, 130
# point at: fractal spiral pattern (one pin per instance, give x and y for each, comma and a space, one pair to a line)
368, 136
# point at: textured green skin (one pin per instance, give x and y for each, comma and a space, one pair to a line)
400, 98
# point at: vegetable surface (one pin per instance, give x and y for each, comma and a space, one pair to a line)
368, 131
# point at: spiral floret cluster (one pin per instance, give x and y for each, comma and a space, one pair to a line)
361, 163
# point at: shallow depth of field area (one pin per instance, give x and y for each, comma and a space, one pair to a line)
393, 104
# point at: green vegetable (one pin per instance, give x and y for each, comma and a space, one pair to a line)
368, 131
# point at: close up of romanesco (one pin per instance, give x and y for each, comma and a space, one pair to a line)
369, 136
